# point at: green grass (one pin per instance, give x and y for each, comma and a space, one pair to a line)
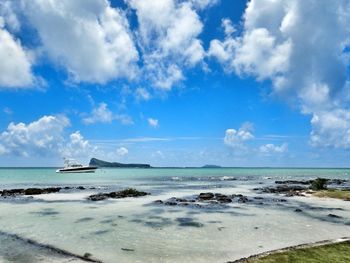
332, 253
339, 194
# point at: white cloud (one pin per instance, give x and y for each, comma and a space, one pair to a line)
77, 146
142, 94
300, 46
99, 114
153, 122
168, 35
44, 137
331, 129
15, 66
271, 148
8, 14
124, 119
104, 115
90, 39
122, 151
236, 138
36, 138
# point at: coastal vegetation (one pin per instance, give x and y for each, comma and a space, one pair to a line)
334, 193
319, 184
336, 252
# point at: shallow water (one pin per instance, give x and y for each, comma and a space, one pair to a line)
137, 230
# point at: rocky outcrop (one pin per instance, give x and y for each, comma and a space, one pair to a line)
288, 190
29, 191
101, 163
130, 192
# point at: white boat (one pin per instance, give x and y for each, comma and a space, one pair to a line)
71, 166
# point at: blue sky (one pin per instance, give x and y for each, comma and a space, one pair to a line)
175, 82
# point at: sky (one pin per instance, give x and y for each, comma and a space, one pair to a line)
175, 82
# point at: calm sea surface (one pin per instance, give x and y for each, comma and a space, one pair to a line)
13, 177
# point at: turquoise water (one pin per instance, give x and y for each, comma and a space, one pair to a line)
13, 177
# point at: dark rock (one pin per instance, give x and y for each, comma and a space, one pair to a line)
298, 210
243, 199
225, 199
170, 203
181, 200
121, 194
283, 189
206, 196
158, 202
98, 197
81, 188
294, 182
12, 192
38, 191
87, 255
334, 216
33, 191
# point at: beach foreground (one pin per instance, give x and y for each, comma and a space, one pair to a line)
189, 215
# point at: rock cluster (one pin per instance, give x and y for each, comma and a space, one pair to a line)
288, 190
29, 191
130, 192
209, 200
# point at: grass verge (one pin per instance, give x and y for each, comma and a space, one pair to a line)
335, 253
338, 194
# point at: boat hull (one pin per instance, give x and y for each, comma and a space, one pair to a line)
88, 169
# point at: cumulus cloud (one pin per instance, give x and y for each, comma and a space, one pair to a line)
92, 41
104, 115
36, 138
168, 35
272, 148
153, 122
43, 137
89, 38
236, 138
301, 47
99, 114
15, 66
122, 151
331, 129
77, 146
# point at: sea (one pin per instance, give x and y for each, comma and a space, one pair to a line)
67, 227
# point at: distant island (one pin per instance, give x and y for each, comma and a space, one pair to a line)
101, 163
211, 166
